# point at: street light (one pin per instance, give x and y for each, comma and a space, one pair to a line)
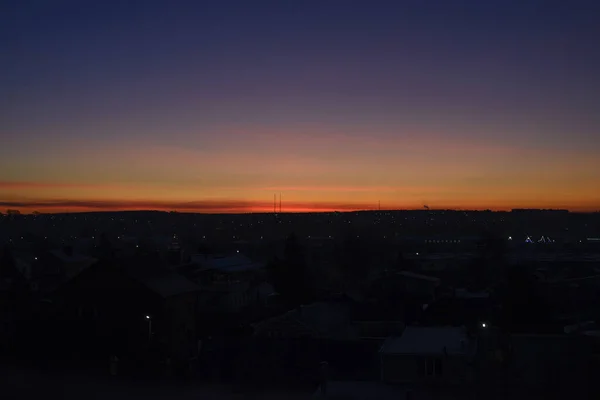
483, 325
149, 327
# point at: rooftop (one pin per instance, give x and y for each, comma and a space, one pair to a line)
462, 293
168, 285
413, 275
72, 258
427, 340
324, 318
163, 282
225, 263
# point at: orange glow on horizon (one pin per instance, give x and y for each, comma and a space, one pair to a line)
312, 172
234, 207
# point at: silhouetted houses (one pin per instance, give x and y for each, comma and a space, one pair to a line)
428, 355
128, 307
230, 284
51, 269
15, 298
460, 308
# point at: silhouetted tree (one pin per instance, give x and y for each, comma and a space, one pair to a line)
105, 248
402, 263
489, 264
522, 307
7, 264
354, 259
14, 297
290, 276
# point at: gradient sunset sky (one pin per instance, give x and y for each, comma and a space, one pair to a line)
214, 106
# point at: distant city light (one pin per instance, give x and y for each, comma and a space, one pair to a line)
417, 254
510, 238
483, 325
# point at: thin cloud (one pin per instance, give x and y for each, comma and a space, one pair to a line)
205, 206
24, 185
343, 189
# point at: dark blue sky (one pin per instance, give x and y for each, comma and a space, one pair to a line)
202, 74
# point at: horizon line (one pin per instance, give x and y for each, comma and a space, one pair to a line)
34, 212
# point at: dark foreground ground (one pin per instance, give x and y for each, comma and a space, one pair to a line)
18, 382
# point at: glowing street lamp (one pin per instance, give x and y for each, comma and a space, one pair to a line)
149, 327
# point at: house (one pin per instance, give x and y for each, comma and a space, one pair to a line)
460, 308
402, 295
372, 390
323, 320
418, 285
230, 283
428, 355
422, 363
407, 284
301, 338
52, 268
70, 263
128, 306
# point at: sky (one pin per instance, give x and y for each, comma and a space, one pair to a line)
215, 106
